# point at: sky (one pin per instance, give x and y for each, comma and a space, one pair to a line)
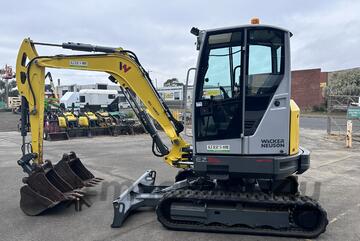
326, 33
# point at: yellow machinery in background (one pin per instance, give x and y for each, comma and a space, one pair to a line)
91, 117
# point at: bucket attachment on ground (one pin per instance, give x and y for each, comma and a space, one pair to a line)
58, 136
53, 131
71, 169
48, 185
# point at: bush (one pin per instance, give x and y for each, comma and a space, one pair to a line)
344, 83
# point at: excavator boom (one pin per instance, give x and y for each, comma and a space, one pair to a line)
123, 68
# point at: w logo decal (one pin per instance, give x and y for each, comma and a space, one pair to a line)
124, 67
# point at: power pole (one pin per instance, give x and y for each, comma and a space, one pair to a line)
8, 74
7, 93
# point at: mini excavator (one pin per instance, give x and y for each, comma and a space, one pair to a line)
240, 173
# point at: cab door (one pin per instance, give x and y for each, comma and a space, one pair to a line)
219, 96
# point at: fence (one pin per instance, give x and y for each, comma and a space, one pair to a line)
337, 106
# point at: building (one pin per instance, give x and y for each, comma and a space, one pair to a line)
174, 96
307, 87
62, 89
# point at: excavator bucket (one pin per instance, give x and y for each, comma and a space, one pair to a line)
48, 185
44, 189
71, 169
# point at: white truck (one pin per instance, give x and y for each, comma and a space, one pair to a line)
96, 99
69, 98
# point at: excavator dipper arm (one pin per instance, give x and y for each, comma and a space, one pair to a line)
123, 68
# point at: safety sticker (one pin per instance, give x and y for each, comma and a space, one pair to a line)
218, 148
78, 63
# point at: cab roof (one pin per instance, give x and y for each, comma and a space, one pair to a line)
225, 29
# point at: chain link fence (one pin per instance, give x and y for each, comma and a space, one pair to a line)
337, 106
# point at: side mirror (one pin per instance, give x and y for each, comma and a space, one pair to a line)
195, 31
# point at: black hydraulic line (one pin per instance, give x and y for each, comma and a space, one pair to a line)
150, 128
179, 127
29, 80
24, 121
24, 116
145, 121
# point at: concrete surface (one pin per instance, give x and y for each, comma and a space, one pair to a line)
319, 122
8, 121
122, 159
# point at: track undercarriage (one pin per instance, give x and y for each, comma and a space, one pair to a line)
198, 204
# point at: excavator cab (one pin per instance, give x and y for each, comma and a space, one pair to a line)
242, 110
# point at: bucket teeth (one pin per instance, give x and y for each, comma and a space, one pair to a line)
89, 185
96, 181
79, 192
93, 182
74, 195
48, 185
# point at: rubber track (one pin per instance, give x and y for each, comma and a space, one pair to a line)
259, 198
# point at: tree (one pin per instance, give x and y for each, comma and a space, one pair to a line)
172, 82
11, 86
12, 91
345, 83
2, 90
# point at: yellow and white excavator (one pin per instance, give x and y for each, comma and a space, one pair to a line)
240, 173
